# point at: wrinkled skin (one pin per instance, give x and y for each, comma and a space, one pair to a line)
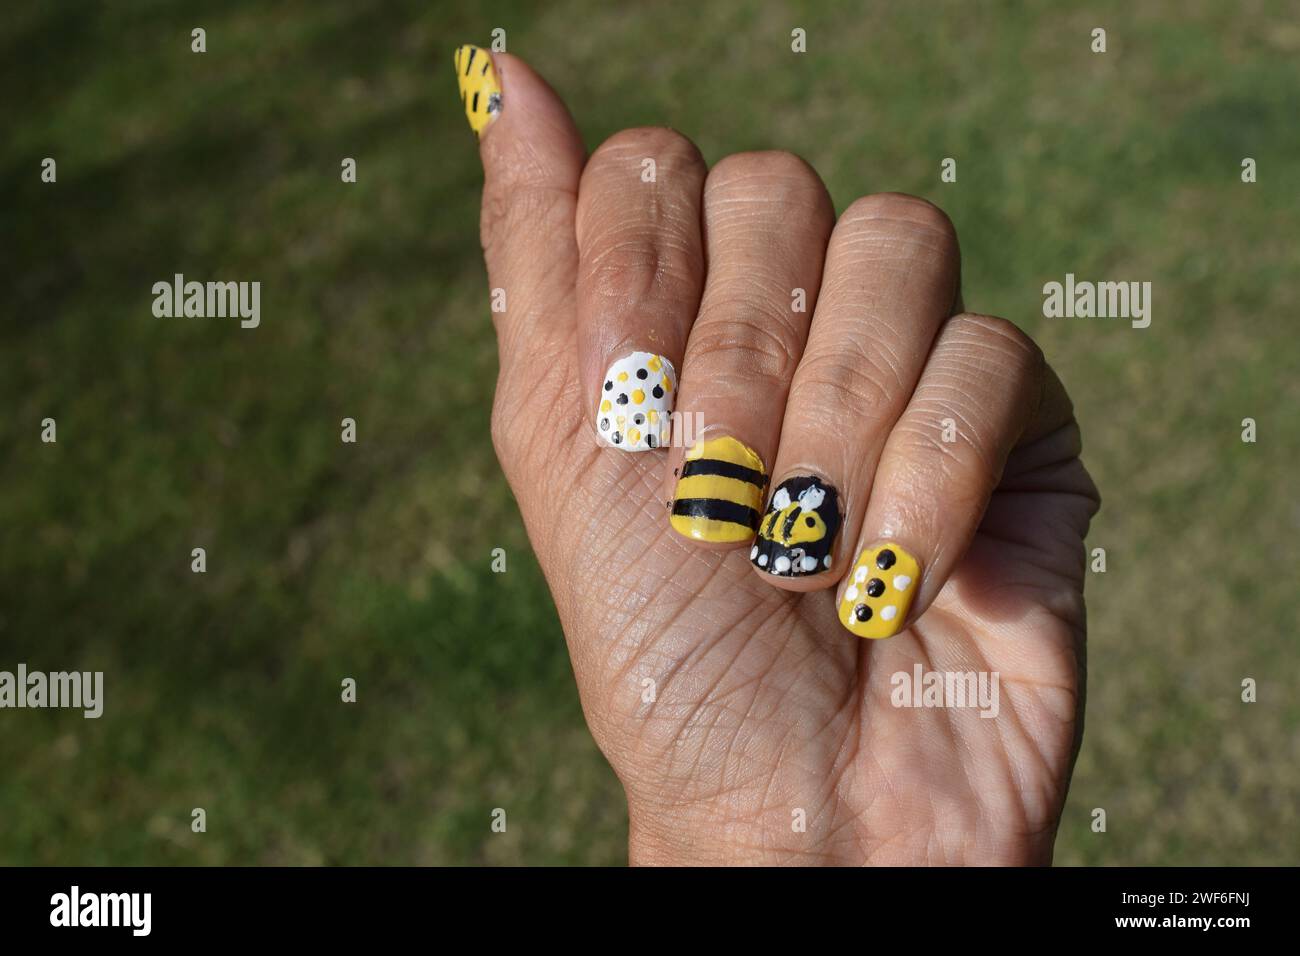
731, 710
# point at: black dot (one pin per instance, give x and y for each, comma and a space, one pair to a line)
641, 373
875, 587
616, 438
862, 612
608, 386
810, 521
604, 424
658, 392
622, 398
650, 440
885, 560
638, 419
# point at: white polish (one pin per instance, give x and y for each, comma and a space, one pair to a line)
629, 421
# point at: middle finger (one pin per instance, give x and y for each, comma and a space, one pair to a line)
766, 220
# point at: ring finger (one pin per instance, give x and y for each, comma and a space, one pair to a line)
891, 278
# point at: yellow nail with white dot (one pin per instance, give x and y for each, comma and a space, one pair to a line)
636, 403
880, 591
480, 90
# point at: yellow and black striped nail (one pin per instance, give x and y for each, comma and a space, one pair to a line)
480, 90
719, 492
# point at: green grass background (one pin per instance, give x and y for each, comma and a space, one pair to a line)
372, 560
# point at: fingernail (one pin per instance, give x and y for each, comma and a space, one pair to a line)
479, 89
636, 400
880, 591
719, 492
798, 530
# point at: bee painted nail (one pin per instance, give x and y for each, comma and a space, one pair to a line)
636, 402
880, 591
797, 532
479, 89
719, 492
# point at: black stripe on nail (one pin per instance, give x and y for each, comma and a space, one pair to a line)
470, 63
717, 510
790, 519
486, 64
723, 469
474, 108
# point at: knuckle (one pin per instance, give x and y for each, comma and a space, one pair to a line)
492, 220
899, 215
503, 436
509, 212
957, 466
625, 269
770, 176
666, 146
1003, 341
846, 383
754, 347
632, 246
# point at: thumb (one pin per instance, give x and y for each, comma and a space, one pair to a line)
532, 160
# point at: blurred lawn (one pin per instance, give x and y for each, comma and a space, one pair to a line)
373, 560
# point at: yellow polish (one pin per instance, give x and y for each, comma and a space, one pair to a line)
885, 613
480, 90
714, 486
719, 508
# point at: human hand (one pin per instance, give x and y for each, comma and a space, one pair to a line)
739, 685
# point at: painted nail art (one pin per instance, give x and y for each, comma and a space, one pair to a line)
719, 492
636, 400
884, 582
479, 89
797, 532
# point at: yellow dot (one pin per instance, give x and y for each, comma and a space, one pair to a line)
605, 405
653, 416
668, 386
634, 436
638, 397
621, 420
654, 364
622, 376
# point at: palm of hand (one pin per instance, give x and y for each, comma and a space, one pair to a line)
732, 709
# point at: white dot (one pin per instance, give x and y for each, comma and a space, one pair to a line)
861, 575
827, 560
810, 564
782, 565
901, 581
753, 552
888, 612
851, 594
762, 560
